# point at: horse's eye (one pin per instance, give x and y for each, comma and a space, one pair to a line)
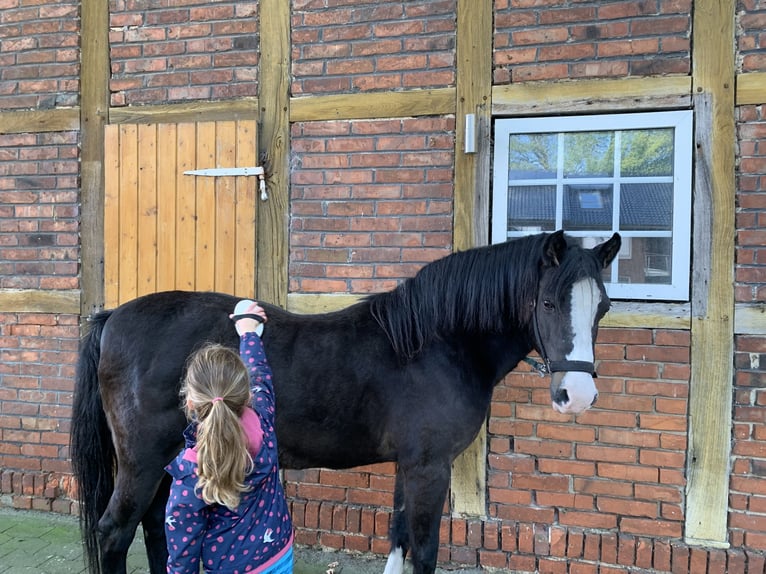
547, 305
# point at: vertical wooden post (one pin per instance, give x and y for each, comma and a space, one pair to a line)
471, 207
274, 144
94, 111
712, 327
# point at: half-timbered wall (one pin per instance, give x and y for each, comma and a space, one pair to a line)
360, 108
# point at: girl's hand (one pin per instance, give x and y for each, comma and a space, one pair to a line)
246, 324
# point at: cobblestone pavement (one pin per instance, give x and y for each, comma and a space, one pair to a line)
48, 543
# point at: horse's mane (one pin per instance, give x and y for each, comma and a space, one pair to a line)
479, 290
475, 290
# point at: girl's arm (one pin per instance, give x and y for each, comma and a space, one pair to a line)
185, 526
261, 383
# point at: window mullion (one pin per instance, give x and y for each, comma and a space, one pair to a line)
616, 191
559, 181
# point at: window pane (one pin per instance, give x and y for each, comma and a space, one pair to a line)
532, 156
647, 152
649, 261
532, 208
646, 206
589, 154
587, 207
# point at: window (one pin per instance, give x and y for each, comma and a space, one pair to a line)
594, 175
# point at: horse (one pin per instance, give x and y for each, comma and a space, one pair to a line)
404, 375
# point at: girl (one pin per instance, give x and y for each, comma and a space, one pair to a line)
227, 509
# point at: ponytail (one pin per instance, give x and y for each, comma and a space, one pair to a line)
217, 386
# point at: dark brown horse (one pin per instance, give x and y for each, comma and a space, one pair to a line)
403, 376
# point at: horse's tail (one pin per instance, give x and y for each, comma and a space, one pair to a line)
92, 450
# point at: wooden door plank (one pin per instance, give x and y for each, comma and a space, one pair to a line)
186, 207
246, 205
128, 210
146, 269
204, 277
225, 211
167, 174
111, 216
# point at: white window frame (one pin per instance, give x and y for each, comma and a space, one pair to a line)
680, 121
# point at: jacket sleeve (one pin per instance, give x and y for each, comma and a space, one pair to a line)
261, 383
185, 526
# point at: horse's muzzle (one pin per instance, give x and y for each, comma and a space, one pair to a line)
574, 393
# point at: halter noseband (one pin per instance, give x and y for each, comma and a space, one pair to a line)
550, 367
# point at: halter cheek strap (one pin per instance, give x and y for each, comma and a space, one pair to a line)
548, 366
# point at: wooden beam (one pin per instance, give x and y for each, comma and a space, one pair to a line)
274, 145
94, 102
312, 303
648, 316
712, 327
198, 111
577, 96
62, 302
750, 319
37, 121
408, 103
471, 204
751, 89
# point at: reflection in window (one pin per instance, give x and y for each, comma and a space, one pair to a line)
594, 175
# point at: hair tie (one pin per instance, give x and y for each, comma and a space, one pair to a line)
216, 399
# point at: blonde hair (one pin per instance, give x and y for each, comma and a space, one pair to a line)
217, 385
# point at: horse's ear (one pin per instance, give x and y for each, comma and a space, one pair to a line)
608, 250
553, 248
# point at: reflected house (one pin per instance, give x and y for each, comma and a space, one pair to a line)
645, 210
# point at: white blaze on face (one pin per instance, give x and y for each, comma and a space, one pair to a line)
580, 386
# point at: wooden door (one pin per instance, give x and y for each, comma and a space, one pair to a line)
165, 230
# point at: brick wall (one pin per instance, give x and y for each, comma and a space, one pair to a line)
751, 35
39, 249
367, 45
39, 211
618, 467
553, 39
370, 201
747, 500
179, 52
39, 54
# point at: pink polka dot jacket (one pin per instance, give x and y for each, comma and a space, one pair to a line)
260, 532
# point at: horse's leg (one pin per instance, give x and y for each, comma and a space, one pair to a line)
425, 490
133, 493
398, 533
154, 529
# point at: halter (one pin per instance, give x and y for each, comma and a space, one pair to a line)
549, 367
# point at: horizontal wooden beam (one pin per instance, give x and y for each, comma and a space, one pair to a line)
630, 315
373, 105
648, 316
592, 95
64, 302
528, 98
39, 121
312, 303
750, 319
751, 89
186, 112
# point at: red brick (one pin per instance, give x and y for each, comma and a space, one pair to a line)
679, 559
609, 548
